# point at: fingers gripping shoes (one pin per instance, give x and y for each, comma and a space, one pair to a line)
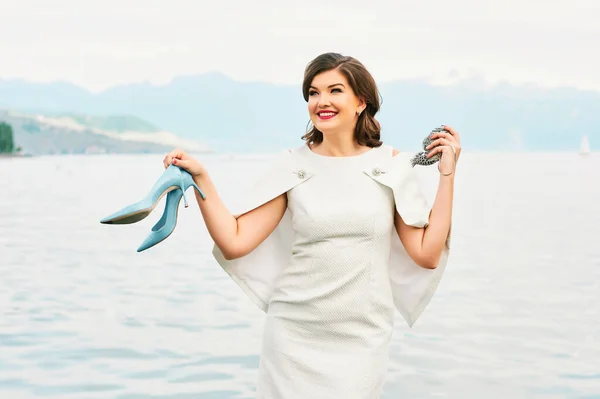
173, 178
174, 182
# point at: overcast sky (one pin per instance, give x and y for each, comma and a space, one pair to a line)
98, 44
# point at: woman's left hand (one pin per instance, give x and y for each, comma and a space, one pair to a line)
443, 142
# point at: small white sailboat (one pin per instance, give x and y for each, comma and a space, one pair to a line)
584, 148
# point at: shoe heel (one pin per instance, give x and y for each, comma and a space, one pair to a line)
185, 201
187, 182
199, 191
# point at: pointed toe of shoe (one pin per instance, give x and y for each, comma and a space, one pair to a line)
111, 219
158, 236
149, 242
154, 238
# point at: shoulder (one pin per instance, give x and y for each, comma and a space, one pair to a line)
287, 154
395, 154
389, 150
396, 160
283, 162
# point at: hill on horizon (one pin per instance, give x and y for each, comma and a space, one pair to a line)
75, 133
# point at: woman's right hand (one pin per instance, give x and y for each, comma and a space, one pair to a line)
179, 158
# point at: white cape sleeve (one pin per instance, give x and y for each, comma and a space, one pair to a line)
412, 285
255, 273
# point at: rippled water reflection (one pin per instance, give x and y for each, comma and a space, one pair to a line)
85, 316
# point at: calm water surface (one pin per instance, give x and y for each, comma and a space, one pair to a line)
83, 315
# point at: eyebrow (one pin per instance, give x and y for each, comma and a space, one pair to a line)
330, 86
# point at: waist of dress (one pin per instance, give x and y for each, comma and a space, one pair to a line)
321, 289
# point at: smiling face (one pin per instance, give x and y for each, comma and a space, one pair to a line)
332, 104
343, 100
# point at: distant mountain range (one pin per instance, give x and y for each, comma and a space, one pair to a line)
232, 116
68, 133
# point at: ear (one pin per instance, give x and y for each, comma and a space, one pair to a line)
362, 104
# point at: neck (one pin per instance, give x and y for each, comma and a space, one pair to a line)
339, 145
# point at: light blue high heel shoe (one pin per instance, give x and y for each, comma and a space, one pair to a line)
166, 224
174, 178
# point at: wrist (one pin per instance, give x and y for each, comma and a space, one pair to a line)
447, 180
446, 170
447, 163
200, 177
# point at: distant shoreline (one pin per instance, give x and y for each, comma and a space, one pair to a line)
14, 155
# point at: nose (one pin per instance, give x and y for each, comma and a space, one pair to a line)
324, 101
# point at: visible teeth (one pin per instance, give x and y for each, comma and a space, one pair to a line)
327, 113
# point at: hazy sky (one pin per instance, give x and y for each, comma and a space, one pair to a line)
98, 44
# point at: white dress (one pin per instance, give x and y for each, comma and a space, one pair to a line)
333, 273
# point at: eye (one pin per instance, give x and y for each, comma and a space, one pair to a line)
336, 89
312, 93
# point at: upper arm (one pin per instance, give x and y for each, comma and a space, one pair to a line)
255, 226
412, 240
411, 237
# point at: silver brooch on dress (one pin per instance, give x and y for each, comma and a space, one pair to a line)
301, 173
377, 172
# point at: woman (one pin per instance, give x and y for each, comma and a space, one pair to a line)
335, 237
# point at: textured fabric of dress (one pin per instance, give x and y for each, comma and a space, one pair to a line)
332, 274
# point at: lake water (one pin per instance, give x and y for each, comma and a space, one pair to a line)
517, 314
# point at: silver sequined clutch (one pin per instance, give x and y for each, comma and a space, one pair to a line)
420, 158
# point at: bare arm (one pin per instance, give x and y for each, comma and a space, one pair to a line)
426, 245
237, 237
234, 237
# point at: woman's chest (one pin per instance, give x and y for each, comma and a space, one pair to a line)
341, 203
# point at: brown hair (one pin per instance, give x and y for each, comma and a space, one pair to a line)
367, 131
